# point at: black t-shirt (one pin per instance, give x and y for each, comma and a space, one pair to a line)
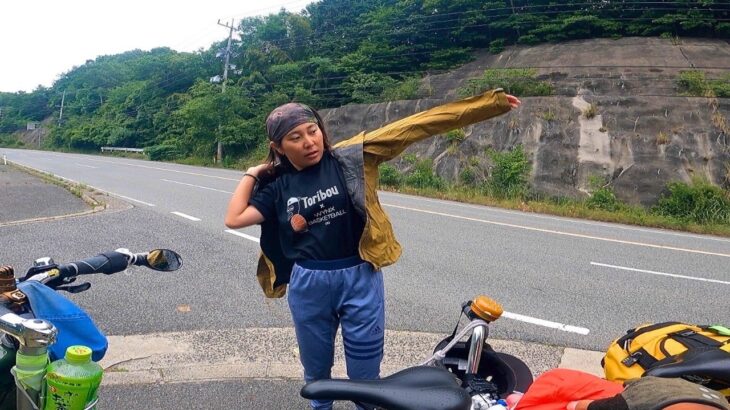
317, 193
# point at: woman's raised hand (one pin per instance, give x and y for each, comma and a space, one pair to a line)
261, 170
514, 102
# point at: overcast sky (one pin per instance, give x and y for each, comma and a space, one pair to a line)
41, 39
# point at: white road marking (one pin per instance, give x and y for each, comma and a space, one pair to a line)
186, 216
243, 235
87, 166
165, 169
661, 273
577, 235
560, 218
546, 323
125, 197
198, 186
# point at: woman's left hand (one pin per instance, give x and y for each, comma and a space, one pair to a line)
514, 102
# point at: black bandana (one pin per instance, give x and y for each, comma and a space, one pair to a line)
285, 118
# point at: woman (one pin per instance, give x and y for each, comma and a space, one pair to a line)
323, 230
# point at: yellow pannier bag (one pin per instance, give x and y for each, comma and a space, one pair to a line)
651, 345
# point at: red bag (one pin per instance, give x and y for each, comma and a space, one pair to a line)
554, 389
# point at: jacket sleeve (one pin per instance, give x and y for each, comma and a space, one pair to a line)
389, 141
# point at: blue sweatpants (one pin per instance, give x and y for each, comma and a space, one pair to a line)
325, 294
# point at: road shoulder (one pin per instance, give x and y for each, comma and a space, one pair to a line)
31, 196
271, 353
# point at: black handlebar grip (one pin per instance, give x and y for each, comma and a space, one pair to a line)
107, 263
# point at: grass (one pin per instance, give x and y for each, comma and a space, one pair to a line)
590, 111
548, 115
629, 215
79, 190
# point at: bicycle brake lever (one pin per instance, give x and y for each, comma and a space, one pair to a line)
75, 288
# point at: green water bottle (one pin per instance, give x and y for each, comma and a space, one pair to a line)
72, 383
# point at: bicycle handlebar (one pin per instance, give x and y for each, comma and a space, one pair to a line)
107, 263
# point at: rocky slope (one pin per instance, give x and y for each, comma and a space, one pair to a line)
644, 133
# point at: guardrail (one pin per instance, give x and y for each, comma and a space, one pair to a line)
122, 149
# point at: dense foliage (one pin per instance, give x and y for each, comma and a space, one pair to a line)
699, 202
333, 53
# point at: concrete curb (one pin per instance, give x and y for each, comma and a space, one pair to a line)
271, 353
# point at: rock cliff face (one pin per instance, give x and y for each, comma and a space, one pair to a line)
643, 135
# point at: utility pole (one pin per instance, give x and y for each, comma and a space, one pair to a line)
60, 115
219, 152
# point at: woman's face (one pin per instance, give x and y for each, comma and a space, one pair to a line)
303, 146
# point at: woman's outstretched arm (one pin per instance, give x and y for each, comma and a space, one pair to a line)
390, 140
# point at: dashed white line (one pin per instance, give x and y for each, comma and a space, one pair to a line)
186, 216
576, 235
243, 235
546, 323
197, 186
672, 275
87, 166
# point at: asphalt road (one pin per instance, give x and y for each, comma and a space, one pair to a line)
592, 280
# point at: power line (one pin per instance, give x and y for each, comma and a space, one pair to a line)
364, 29
578, 77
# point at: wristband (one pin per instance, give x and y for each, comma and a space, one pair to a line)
252, 176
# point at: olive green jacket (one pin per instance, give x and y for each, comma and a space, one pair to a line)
359, 157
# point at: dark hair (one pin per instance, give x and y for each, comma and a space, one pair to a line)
281, 162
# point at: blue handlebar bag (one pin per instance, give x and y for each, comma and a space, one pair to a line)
75, 327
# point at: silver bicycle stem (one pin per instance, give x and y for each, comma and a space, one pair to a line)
34, 335
478, 336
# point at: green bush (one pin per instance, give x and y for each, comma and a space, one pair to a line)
456, 136
695, 83
528, 39
9, 141
444, 59
410, 158
405, 90
496, 46
422, 176
162, 152
389, 176
515, 81
467, 176
699, 202
602, 196
510, 173
692, 82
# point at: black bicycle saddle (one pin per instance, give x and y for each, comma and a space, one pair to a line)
708, 363
420, 387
